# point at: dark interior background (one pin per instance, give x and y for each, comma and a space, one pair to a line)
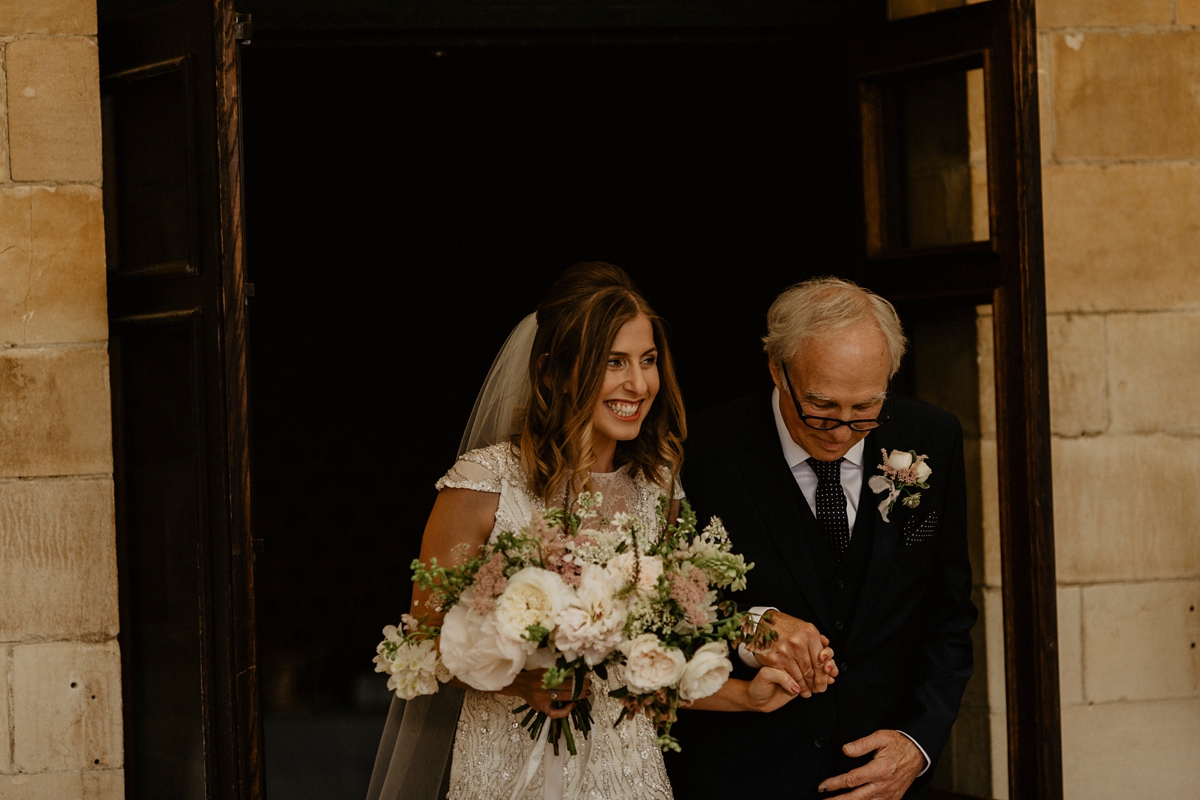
406, 206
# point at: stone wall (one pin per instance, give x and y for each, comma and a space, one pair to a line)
60, 709
1121, 171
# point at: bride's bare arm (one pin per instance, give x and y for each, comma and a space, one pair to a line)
460, 522
770, 689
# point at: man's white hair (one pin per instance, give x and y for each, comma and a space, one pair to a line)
821, 307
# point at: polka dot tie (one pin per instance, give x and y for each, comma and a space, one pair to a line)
831, 504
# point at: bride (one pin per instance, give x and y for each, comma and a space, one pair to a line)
597, 408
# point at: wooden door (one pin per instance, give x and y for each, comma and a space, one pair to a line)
177, 310
996, 258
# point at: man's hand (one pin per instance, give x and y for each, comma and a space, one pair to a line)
800, 650
887, 776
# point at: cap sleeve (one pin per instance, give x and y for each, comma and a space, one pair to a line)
482, 470
677, 492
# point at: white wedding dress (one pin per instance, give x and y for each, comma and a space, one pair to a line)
490, 747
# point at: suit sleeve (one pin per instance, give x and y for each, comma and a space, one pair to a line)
946, 659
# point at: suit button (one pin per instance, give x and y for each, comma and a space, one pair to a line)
839, 624
840, 584
819, 742
842, 668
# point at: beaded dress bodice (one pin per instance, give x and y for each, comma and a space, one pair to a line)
490, 747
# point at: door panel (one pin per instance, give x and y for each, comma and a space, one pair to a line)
176, 301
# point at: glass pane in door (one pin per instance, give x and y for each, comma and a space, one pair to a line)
926, 182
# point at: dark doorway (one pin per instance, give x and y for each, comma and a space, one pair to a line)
406, 207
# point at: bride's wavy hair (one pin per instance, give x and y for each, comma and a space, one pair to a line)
578, 320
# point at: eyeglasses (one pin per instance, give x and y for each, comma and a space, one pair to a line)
829, 423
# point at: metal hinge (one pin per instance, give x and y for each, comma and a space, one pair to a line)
248, 291
243, 27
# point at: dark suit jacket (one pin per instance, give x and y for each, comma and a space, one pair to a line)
904, 655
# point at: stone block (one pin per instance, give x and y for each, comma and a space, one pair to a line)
67, 706
58, 570
5, 740
993, 615
990, 493
1045, 99
1122, 237
1187, 12
1125, 95
47, 17
1116, 751
1102, 13
965, 765
1070, 645
975, 547
3, 124
1153, 375
107, 784
52, 278
1154, 624
985, 354
999, 738
55, 412
53, 110
1075, 348
1126, 508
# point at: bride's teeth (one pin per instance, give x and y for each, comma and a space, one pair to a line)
623, 409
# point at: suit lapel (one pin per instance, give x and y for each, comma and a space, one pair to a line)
884, 535
764, 466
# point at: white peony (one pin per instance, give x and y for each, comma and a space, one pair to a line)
900, 460
592, 626
648, 569
706, 672
649, 666
533, 596
476, 651
923, 472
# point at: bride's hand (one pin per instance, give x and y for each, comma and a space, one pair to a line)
554, 703
770, 689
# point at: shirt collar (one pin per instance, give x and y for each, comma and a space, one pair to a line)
794, 453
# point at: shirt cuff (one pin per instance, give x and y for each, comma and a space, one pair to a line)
744, 653
923, 753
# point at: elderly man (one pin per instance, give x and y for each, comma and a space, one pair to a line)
866, 552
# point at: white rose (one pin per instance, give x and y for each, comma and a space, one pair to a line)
900, 460
923, 472
476, 652
649, 666
649, 568
593, 625
706, 672
533, 597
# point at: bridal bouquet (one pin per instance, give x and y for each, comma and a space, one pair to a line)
572, 593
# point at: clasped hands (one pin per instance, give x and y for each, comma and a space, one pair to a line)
798, 648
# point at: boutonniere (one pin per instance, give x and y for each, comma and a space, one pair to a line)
902, 472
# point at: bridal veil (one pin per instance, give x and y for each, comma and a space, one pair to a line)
413, 761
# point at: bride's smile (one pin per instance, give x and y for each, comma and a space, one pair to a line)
630, 386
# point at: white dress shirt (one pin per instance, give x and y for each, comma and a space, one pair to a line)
802, 471
852, 478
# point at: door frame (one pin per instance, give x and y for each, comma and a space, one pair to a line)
1007, 271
